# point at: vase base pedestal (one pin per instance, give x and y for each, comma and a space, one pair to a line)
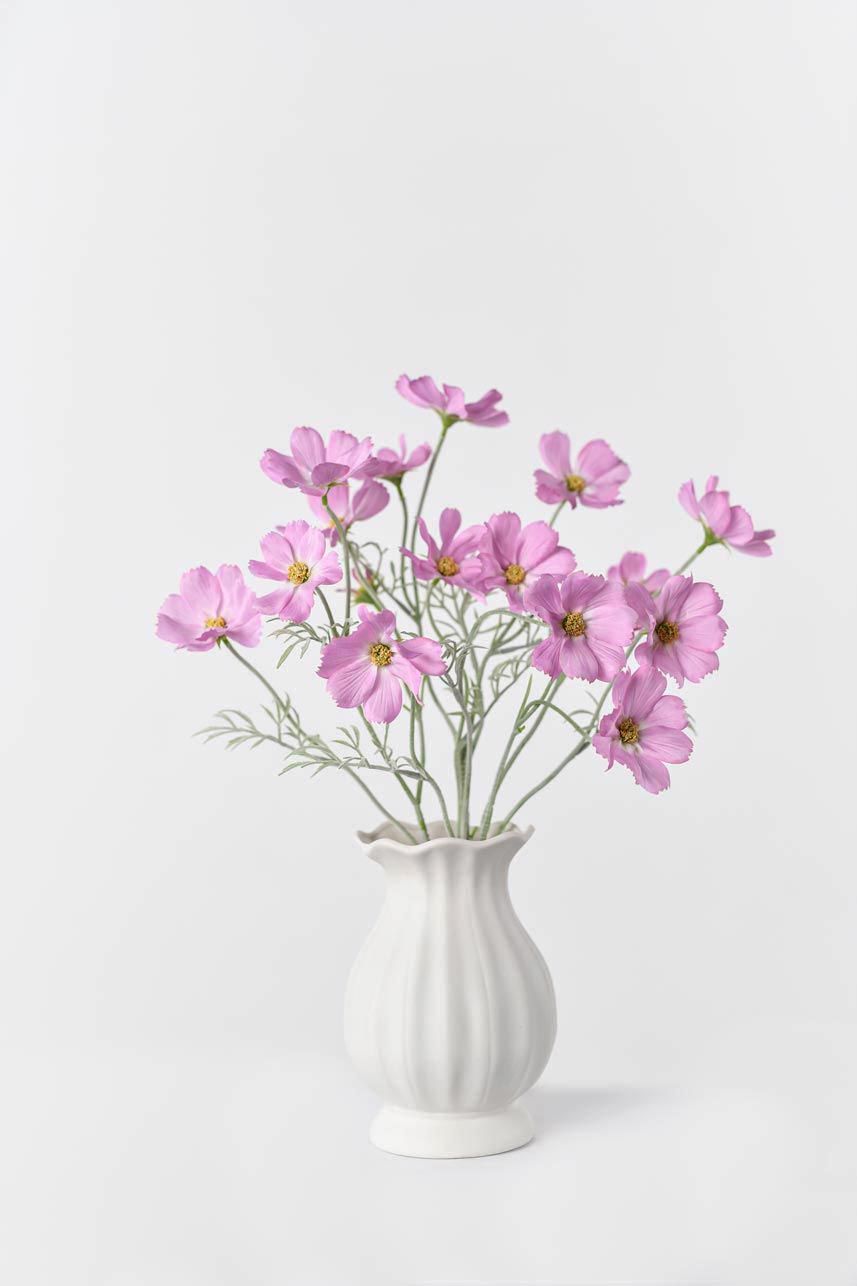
447, 1135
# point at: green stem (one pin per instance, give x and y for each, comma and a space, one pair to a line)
549, 691
702, 548
509, 756
413, 608
578, 749
346, 558
556, 513
409, 839
416, 725
331, 618
405, 787
280, 705
447, 424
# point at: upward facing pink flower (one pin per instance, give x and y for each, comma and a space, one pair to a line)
297, 556
593, 479
513, 557
455, 559
368, 667
449, 401
394, 464
731, 524
312, 466
685, 631
367, 501
591, 625
643, 731
208, 607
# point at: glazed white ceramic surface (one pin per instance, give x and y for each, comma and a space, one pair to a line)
449, 1012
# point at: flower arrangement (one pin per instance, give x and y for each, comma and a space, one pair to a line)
459, 616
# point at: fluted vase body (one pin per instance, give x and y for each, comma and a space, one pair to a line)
450, 1012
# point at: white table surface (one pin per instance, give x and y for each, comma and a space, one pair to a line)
126, 1169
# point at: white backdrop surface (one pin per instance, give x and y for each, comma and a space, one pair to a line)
221, 220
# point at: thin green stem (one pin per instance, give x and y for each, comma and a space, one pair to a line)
509, 757
346, 558
702, 548
416, 726
281, 708
280, 705
331, 618
578, 749
399, 778
432, 465
413, 607
409, 839
552, 686
556, 513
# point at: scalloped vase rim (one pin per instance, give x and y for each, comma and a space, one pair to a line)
385, 834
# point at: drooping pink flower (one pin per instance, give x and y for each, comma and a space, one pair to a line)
297, 556
591, 625
631, 570
395, 464
367, 501
594, 479
455, 559
643, 731
368, 667
513, 557
449, 401
208, 607
313, 466
731, 524
685, 631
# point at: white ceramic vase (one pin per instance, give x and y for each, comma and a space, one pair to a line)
450, 1012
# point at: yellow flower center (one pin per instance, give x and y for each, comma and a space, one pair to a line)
574, 482
447, 566
215, 623
667, 632
515, 574
574, 624
629, 732
380, 654
298, 573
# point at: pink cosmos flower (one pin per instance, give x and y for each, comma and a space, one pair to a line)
455, 559
513, 558
208, 607
731, 524
643, 731
685, 631
297, 556
368, 667
631, 570
367, 501
394, 464
591, 625
450, 403
312, 466
594, 479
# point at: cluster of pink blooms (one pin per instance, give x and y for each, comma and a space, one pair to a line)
595, 626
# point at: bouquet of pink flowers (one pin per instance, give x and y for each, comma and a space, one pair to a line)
460, 616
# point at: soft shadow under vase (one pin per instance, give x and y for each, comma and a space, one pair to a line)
449, 1012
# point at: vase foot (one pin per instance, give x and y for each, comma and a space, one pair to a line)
448, 1135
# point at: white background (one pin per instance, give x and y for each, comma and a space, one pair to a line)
219, 221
